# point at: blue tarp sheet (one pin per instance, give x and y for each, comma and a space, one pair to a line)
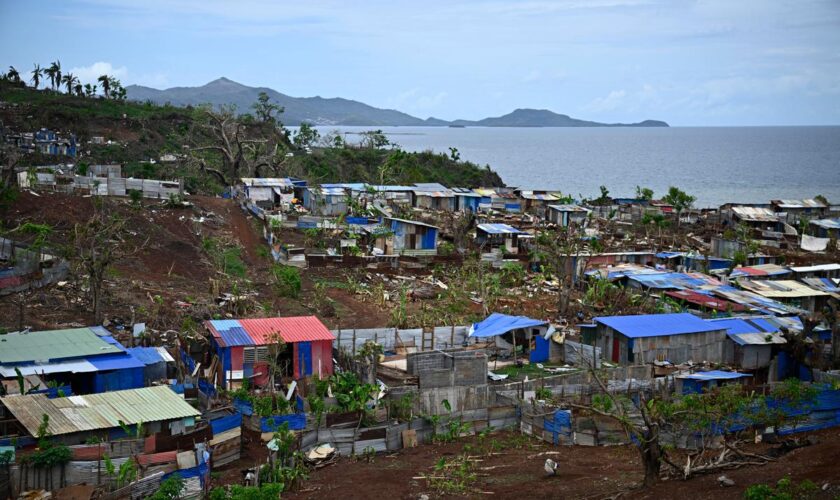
498, 324
223, 424
297, 421
146, 355
560, 423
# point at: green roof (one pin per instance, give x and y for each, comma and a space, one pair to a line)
51, 345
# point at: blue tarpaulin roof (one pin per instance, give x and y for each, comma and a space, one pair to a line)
669, 255
499, 324
657, 325
146, 355
715, 375
115, 362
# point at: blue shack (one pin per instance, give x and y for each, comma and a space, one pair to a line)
408, 237
89, 360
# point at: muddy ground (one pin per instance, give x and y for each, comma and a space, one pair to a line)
517, 471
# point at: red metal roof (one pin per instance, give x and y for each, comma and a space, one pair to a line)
706, 301
291, 329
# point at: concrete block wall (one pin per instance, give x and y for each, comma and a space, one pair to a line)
420, 362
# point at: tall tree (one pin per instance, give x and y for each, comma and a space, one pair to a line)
78, 89
265, 109
680, 200
105, 82
37, 73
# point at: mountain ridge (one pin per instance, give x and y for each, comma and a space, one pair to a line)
338, 111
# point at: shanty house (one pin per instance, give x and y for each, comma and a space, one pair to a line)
434, 196
329, 200
498, 236
243, 348
825, 228
792, 211
77, 419
408, 237
466, 200
646, 338
267, 193
752, 341
89, 360
788, 292
564, 215
535, 202
501, 199
756, 217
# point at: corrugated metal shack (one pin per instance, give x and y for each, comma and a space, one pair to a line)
408, 237
75, 419
87, 359
645, 338
243, 348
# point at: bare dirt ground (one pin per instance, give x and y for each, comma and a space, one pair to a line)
172, 265
596, 472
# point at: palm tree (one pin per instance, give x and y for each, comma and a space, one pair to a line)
37, 73
77, 88
13, 75
105, 80
90, 90
69, 80
54, 72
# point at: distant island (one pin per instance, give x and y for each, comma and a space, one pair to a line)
337, 111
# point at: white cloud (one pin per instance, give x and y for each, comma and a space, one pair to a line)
89, 74
612, 101
415, 101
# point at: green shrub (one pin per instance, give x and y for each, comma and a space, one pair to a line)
287, 279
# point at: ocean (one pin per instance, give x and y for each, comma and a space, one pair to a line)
715, 164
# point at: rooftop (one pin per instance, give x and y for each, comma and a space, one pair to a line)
498, 229
98, 411
657, 325
52, 345
248, 332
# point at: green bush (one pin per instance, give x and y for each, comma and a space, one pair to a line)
288, 281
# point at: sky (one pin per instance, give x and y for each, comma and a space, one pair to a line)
690, 63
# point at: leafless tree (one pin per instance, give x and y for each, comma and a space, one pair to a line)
245, 148
97, 244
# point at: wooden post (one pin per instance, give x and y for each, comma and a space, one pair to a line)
354, 342
452, 336
339, 339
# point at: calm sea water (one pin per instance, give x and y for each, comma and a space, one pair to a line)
717, 165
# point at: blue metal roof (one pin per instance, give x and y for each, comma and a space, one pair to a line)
715, 375
498, 229
146, 355
231, 333
657, 325
499, 324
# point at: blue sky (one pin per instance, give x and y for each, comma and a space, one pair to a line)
727, 62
